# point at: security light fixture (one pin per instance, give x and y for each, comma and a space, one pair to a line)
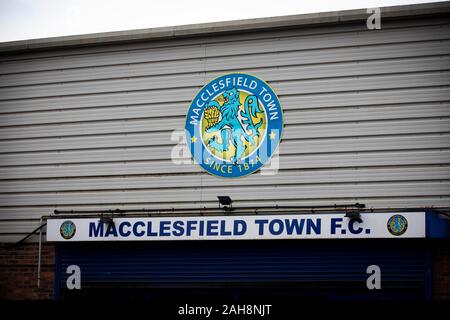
353, 214
225, 201
106, 220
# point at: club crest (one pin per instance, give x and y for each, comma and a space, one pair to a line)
67, 229
397, 225
234, 125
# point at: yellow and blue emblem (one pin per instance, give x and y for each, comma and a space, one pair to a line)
67, 229
234, 125
397, 225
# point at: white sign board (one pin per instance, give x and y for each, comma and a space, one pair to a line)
312, 226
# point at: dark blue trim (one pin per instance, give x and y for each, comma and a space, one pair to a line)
436, 227
429, 271
57, 282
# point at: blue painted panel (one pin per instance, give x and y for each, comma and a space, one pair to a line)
437, 226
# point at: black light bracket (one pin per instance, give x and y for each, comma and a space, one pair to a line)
225, 202
360, 205
107, 219
352, 214
354, 211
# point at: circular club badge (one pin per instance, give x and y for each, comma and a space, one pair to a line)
234, 125
67, 229
397, 225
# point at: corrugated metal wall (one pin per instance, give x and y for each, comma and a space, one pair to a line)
367, 119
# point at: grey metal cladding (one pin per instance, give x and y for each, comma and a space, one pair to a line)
367, 119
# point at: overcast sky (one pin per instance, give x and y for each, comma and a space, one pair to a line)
31, 19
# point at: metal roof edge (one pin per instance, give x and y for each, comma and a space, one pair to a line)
203, 29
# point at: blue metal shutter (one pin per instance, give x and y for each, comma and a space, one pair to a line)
335, 269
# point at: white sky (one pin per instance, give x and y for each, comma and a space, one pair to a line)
30, 19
